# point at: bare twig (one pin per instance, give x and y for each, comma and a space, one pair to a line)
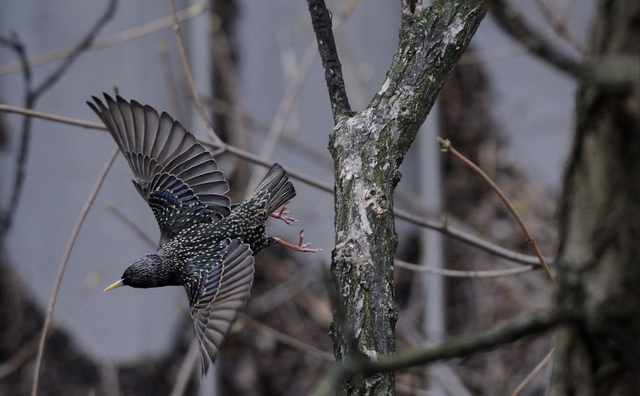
558, 22
130, 224
31, 97
515, 25
291, 93
284, 109
533, 373
30, 348
63, 265
6, 218
52, 117
186, 368
464, 274
446, 147
107, 41
465, 237
79, 49
170, 76
189, 75
440, 226
461, 347
287, 339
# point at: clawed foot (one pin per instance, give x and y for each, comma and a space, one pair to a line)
300, 247
282, 215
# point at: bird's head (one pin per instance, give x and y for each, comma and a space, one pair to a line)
147, 271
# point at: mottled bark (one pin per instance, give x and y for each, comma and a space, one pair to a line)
367, 149
598, 262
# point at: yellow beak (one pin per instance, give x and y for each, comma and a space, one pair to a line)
115, 285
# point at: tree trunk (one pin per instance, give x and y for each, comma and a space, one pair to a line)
598, 262
367, 149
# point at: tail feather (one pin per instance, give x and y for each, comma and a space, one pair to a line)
277, 184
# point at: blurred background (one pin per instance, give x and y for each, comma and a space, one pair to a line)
258, 74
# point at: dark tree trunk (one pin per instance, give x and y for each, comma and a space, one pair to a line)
598, 262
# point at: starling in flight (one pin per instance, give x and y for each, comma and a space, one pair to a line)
206, 244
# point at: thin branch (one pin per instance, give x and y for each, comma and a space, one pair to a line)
186, 368
291, 93
411, 390
189, 75
287, 339
284, 109
32, 95
439, 226
221, 148
515, 25
557, 21
52, 117
6, 218
321, 22
63, 265
446, 147
79, 49
464, 274
456, 348
533, 373
30, 347
491, 55
171, 77
108, 41
285, 291
465, 237
131, 225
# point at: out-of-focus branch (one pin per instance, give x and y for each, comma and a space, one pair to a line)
63, 264
116, 38
559, 23
78, 50
536, 370
439, 226
287, 339
29, 348
461, 347
52, 117
291, 93
186, 368
464, 274
32, 95
517, 27
131, 225
6, 216
189, 75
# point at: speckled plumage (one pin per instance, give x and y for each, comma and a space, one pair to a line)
206, 244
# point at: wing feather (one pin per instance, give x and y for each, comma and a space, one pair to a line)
218, 285
172, 170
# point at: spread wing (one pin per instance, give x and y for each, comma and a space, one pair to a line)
172, 170
218, 285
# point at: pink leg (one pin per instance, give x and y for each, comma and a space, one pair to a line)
300, 247
282, 215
